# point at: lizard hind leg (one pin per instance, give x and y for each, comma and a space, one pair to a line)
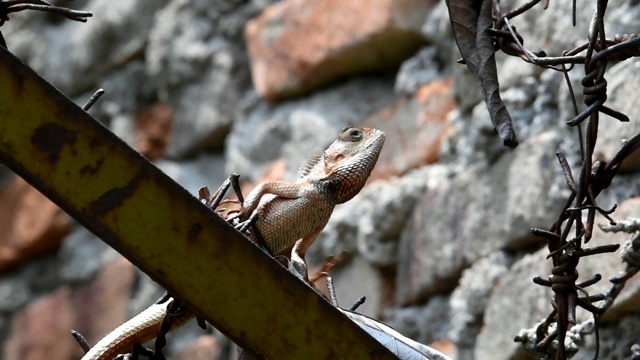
298, 265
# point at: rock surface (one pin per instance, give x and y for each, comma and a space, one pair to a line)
486, 209
438, 240
624, 82
28, 341
299, 45
503, 315
31, 224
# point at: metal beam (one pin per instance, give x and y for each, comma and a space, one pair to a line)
161, 228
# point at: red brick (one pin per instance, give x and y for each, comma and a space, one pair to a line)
296, 46
42, 330
152, 129
206, 347
415, 129
102, 304
31, 224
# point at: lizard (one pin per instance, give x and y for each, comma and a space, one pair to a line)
292, 214
284, 216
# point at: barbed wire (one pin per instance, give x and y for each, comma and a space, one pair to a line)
472, 24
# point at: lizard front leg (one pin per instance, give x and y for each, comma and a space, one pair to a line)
283, 189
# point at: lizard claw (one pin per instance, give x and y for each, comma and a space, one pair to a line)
245, 225
230, 219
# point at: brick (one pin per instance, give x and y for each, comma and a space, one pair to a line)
296, 46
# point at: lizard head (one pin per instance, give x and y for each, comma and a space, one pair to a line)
349, 160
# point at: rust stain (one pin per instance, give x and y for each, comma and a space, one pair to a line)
51, 138
91, 170
113, 198
194, 230
95, 142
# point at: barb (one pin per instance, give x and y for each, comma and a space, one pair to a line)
11, 6
93, 99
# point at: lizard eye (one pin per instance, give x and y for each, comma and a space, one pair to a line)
355, 135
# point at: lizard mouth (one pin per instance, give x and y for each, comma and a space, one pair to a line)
377, 140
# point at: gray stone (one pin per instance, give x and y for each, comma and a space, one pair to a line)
533, 101
436, 320
625, 186
145, 293
616, 340
516, 303
467, 89
606, 265
122, 126
203, 170
259, 138
417, 71
469, 300
117, 31
370, 224
623, 85
200, 71
356, 279
547, 105
425, 324
127, 91
513, 72
82, 254
442, 233
437, 29
479, 211
541, 28
13, 292
471, 140
407, 321
552, 30
611, 264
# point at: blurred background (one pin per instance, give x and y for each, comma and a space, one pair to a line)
439, 241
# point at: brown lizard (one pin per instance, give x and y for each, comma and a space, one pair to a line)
290, 215
294, 213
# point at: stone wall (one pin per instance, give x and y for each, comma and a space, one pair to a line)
438, 241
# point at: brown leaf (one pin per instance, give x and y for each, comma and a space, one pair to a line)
470, 20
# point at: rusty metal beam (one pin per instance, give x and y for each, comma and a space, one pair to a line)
138, 210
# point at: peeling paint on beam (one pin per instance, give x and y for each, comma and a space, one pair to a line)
165, 231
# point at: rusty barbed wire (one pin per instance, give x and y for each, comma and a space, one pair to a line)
565, 252
10, 6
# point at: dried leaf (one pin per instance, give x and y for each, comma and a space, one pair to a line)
470, 20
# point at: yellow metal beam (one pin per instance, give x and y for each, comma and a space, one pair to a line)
134, 207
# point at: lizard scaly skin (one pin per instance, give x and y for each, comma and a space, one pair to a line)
291, 215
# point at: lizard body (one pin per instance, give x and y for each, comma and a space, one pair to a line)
293, 214
290, 216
